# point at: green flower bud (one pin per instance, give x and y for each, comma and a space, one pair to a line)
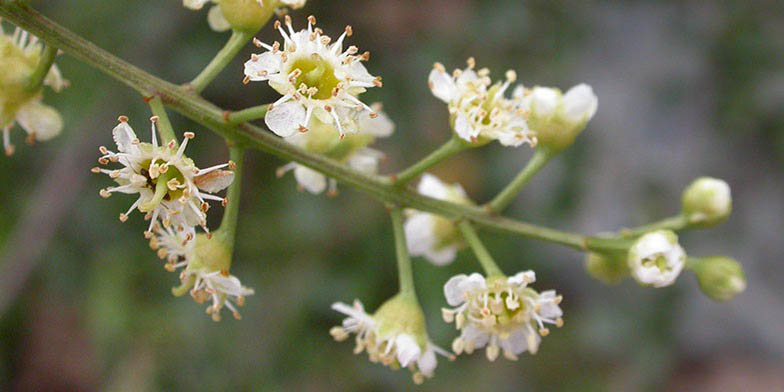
558, 118
720, 278
248, 15
607, 268
707, 202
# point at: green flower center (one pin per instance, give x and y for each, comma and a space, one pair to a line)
317, 74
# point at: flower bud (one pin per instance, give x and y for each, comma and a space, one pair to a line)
707, 202
607, 268
249, 15
558, 118
720, 278
656, 259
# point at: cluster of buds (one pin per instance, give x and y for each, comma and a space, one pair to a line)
21, 101
247, 15
394, 336
317, 78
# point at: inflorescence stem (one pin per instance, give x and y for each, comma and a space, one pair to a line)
482, 255
246, 115
674, 223
405, 272
228, 226
506, 196
233, 46
447, 150
42, 68
183, 100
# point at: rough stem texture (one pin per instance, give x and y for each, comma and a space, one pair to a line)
189, 104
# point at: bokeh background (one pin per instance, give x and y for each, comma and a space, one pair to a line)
686, 88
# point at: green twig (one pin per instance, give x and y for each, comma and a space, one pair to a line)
405, 273
506, 196
674, 223
235, 43
210, 116
249, 114
448, 149
482, 255
42, 68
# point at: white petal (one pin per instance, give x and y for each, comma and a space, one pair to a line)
54, 79
441, 256
41, 120
216, 19
419, 233
548, 307
427, 362
313, 181
194, 4
431, 186
522, 278
407, 349
381, 126
294, 3
518, 341
261, 66
214, 181
464, 129
579, 103
453, 290
442, 85
285, 119
475, 335
474, 282
365, 160
544, 101
124, 137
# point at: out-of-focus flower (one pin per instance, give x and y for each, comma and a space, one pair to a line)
20, 53
241, 14
556, 118
656, 259
707, 202
317, 78
500, 312
432, 236
395, 336
720, 278
479, 110
323, 138
169, 185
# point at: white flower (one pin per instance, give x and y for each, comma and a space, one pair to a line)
556, 118
656, 259
323, 138
205, 269
707, 201
500, 313
21, 52
432, 236
215, 17
218, 22
480, 112
316, 77
386, 341
169, 186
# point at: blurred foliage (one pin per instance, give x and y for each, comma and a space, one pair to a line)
97, 313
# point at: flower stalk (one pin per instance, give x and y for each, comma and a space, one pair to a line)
228, 228
165, 127
42, 69
249, 114
674, 223
482, 255
405, 272
446, 151
508, 194
233, 46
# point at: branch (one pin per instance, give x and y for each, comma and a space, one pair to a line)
189, 104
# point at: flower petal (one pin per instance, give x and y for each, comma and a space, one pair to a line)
453, 290
214, 181
579, 103
442, 85
313, 181
259, 67
40, 120
407, 349
216, 19
285, 119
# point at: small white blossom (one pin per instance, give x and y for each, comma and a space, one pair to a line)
352, 150
499, 312
707, 201
386, 341
556, 118
205, 278
316, 77
169, 185
21, 52
480, 111
656, 259
432, 236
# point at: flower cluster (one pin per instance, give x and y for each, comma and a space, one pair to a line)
316, 77
20, 102
501, 313
432, 236
323, 139
243, 13
394, 336
169, 186
204, 264
656, 259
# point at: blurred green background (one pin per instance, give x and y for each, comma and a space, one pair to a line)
686, 88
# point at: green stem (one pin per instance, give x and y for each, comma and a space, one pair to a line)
164, 125
405, 272
42, 68
674, 223
210, 116
228, 226
233, 46
249, 114
448, 149
506, 196
487, 262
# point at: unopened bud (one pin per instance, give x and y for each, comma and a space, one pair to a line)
720, 278
609, 269
707, 202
